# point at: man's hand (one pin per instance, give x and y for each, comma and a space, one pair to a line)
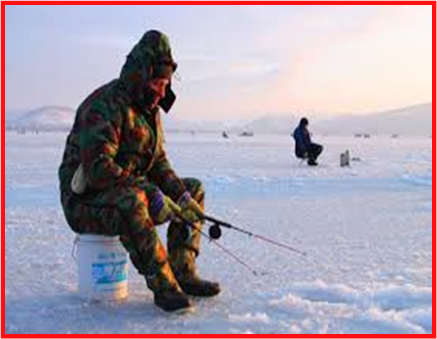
190, 208
162, 208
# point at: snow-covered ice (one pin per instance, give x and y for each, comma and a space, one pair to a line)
367, 230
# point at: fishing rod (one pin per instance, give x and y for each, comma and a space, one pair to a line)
215, 233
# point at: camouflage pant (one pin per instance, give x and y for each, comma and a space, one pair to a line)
124, 211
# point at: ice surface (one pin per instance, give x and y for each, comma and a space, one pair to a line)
367, 230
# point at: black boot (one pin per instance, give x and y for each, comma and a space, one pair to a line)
168, 293
171, 301
183, 263
199, 288
312, 162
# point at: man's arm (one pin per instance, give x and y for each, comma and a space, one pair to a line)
162, 173
306, 138
99, 144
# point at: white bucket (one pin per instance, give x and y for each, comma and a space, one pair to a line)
103, 267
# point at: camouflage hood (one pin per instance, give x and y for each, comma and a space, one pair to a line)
150, 58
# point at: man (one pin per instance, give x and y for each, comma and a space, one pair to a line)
304, 147
115, 178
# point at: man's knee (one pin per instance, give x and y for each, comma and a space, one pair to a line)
316, 148
320, 149
195, 187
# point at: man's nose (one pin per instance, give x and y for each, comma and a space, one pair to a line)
161, 92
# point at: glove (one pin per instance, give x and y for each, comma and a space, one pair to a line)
161, 207
191, 209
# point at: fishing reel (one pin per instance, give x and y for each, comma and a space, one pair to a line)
215, 232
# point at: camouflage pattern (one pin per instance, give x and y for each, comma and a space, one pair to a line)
182, 254
119, 142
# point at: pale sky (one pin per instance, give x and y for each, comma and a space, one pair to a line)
235, 62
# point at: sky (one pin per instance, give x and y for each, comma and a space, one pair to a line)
235, 62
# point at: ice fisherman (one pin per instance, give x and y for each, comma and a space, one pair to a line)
116, 179
304, 147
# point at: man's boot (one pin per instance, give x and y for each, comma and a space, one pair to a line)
182, 261
312, 162
168, 294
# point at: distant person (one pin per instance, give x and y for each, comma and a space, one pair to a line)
304, 147
115, 178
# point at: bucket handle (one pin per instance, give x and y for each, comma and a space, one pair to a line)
74, 248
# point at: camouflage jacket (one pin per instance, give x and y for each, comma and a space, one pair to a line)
116, 140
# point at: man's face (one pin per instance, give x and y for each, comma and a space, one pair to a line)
156, 88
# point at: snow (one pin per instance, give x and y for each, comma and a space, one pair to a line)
367, 230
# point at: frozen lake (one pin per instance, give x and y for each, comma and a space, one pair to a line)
367, 230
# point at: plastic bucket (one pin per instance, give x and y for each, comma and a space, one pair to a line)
103, 268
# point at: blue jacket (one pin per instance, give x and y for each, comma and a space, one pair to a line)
302, 140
